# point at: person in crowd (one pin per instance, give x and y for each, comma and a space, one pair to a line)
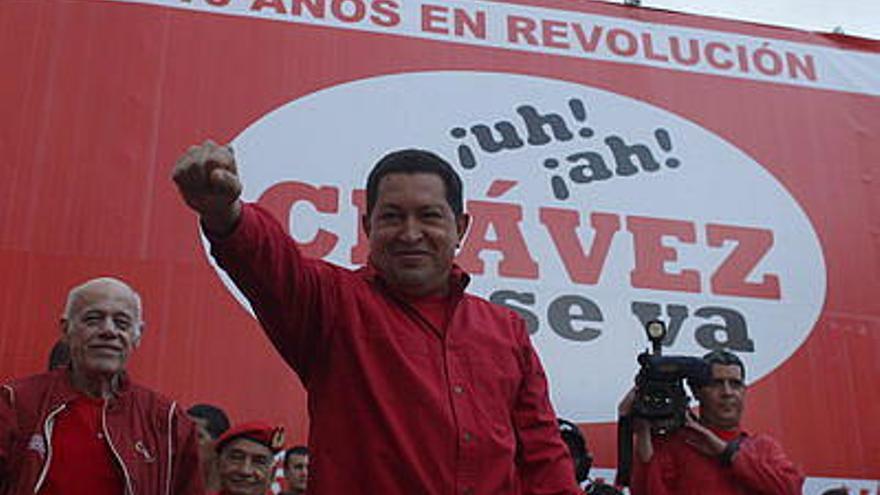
296, 470
59, 356
583, 460
211, 422
712, 453
87, 428
246, 458
442, 388
577, 448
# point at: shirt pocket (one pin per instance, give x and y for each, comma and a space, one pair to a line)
394, 336
495, 376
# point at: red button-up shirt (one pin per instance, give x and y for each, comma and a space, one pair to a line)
398, 406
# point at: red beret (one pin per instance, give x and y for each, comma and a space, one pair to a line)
270, 436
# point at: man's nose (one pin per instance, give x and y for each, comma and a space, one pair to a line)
108, 327
247, 467
411, 230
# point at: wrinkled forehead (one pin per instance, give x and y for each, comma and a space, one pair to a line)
423, 185
106, 297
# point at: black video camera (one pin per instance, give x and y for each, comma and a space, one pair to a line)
660, 395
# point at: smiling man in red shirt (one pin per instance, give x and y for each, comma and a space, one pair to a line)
424, 387
86, 429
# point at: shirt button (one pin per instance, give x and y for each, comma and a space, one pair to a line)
467, 436
457, 389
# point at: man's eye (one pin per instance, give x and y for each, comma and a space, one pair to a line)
122, 324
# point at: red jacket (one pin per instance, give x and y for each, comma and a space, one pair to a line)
396, 405
152, 441
677, 468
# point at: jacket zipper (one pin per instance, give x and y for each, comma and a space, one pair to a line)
170, 447
47, 435
128, 488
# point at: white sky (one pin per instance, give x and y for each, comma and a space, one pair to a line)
856, 17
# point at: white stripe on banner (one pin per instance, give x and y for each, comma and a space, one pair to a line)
812, 486
572, 34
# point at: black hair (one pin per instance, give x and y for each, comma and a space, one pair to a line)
413, 161
601, 488
297, 450
59, 356
720, 357
217, 421
577, 447
725, 358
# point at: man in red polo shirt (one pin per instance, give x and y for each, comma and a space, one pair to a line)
424, 387
712, 454
211, 422
86, 428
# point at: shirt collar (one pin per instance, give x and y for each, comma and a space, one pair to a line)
458, 278
64, 391
728, 435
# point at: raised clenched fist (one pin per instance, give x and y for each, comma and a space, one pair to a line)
207, 178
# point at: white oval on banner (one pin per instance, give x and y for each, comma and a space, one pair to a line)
739, 251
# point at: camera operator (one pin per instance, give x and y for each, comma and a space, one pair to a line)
710, 454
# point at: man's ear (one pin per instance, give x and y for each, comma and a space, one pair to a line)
63, 323
365, 224
462, 222
136, 341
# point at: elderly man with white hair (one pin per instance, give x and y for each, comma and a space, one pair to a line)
87, 428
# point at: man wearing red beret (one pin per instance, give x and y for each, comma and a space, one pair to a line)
246, 458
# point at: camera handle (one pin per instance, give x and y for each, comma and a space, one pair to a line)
624, 450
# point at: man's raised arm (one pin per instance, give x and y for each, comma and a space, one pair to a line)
284, 290
207, 178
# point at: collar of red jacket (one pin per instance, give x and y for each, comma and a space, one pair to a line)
64, 392
458, 278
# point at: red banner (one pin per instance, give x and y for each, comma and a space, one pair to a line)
621, 163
